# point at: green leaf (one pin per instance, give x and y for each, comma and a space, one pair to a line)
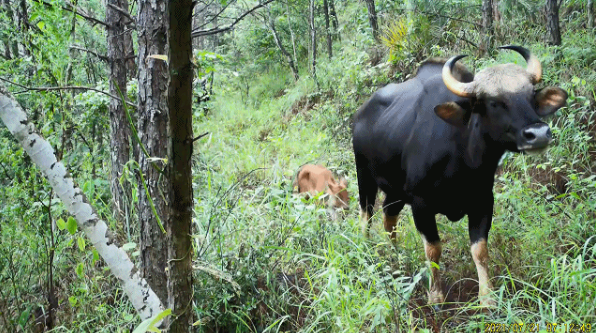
149, 324
71, 225
81, 243
129, 246
95, 256
72, 300
60, 224
79, 270
41, 25
24, 317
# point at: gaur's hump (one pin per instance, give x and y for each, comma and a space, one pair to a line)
434, 66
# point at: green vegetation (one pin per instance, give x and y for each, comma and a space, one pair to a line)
269, 261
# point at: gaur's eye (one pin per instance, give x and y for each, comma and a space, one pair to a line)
496, 104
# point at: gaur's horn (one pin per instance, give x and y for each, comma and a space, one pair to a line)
534, 68
456, 87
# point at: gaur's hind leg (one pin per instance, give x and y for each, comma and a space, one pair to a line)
427, 226
367, 188
392, 206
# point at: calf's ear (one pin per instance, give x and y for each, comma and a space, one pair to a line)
549, 99
343, 182
453, 113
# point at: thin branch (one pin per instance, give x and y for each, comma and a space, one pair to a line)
122, 11
63, 88
467, 41
102, 57
216, 15
213, 31
200, 136
86, 16
448, 17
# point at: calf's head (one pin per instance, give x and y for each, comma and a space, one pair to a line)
339, 194
506, 101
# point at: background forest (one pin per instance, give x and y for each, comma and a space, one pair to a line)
276, 84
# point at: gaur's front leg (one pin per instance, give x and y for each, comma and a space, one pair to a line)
479, 223
427, 226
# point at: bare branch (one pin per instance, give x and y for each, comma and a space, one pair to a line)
213, 31
102, 57
84, 15
213, 17
63, 88
448, 17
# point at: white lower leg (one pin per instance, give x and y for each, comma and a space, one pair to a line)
480, 256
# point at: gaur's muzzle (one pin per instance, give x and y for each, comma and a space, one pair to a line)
535, 136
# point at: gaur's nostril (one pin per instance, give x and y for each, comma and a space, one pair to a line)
529, 135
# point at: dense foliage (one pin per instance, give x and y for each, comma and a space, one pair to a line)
266, 259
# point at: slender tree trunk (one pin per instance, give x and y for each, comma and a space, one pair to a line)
179, 226
198, 19
313, 38
552, 22
152, 27
293, 37
281, 47
24, 24
334, 19
71, 52
487, 25
372, 18
214, 8
329, 40
590, 6
11, 48
119, 124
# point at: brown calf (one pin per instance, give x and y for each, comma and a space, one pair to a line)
314, 179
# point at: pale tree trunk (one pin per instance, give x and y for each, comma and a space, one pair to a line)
144, 300
552, 22
152, 27
487, 25
329, 40
179, 226
281, 46
590, 6
119, 125
372, 18
313, 38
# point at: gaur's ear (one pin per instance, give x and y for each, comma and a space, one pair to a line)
453, 113
549, 99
